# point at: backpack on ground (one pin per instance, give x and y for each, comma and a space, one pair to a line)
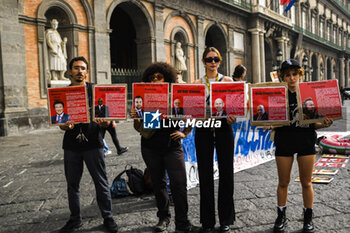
135, 180
135, 184
119, 187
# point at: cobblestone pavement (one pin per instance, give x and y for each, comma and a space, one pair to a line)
33, 194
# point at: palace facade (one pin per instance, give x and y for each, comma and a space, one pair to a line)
120, 38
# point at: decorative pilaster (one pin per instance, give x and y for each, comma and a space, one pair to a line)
262, 56
255, 55
347, 73
342, 73
201, 46
159, 33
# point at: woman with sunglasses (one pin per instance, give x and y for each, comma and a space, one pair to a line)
162, 150
222, 139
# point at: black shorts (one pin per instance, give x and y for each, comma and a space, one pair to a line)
289, 143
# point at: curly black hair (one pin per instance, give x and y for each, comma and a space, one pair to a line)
166, 70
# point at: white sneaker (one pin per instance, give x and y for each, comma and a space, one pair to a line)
109, 152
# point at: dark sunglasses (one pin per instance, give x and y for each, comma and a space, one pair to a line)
157, 76
211, 59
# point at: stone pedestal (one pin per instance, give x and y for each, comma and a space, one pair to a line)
59, 83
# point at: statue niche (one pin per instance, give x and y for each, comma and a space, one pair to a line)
57, 53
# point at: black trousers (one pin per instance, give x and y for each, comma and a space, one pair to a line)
223, 140
171, 160
73, 168
113, 134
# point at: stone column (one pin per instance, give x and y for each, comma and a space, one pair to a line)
347, 73
280, 42
318, 70
201, 46
286, 53
15, 116
159, 33
342, 73
262, 56
255, 55
103, 56
230, 49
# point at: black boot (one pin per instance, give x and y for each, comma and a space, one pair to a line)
281, 221
308, 225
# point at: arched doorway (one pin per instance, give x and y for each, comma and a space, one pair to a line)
130, 42
215, 37
122, 41
314, 68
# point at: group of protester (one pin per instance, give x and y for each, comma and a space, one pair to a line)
162, 152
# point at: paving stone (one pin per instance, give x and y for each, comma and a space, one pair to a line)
36, 200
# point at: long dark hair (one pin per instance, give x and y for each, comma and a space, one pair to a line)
239, 71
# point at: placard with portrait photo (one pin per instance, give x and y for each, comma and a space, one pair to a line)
268, 104
317, 100
227, 98
188, 100
150, 97
110, 101
67, 104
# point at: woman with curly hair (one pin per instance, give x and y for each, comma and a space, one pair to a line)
295, 139
162, 151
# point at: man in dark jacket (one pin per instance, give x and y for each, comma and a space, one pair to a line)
83, 143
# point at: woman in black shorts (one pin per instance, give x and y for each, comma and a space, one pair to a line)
295, 139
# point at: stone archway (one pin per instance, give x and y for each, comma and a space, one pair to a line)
135, 29
132, 44
216, 37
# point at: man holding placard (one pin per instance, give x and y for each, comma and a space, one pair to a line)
83, 142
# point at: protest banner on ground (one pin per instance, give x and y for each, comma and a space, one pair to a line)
109, 101
67, 104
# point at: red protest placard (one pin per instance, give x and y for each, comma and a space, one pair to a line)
109, 101
188, 100
67, 104
227, 98
317, 100
150, 97
268, 104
